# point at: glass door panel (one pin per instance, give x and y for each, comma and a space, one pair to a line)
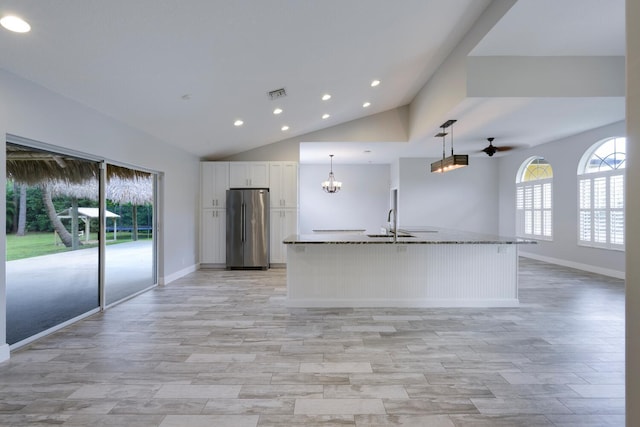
52, 265
130, 242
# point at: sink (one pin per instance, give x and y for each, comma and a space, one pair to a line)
400, 236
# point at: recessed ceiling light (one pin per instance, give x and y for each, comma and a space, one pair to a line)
238, 123
325, 116
15, 24
375, 83
326, 97
277, 111
366, 104
284, 128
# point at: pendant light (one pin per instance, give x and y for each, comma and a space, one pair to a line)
331, 185
454, 161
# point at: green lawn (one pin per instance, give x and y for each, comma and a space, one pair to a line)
36, 244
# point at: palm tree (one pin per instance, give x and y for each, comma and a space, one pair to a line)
57, 224
22, 211
66, 175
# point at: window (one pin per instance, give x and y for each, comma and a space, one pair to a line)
601, 195
534, 199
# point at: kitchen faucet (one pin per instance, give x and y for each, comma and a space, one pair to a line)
393, 227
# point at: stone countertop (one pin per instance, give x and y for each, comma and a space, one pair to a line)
408, 235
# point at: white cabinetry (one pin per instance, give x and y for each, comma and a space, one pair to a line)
214, 183
283, 223
217, 177
213, 248
283, 188
249, 174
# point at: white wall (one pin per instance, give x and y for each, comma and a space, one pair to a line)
31, 111
463, 199
362, 203
633, 215
563, 155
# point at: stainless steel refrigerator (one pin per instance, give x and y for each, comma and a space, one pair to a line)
248, 228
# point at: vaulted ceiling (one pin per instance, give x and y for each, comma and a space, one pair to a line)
185, 71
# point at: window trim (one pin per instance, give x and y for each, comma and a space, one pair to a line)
521, 212
591, 177
583, 174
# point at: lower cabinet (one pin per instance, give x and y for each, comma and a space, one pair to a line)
213, 247
283, 223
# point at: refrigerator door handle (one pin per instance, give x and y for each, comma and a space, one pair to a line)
242, 220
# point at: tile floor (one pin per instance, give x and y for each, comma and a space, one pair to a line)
220, 348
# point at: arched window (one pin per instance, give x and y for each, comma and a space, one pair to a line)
601, 195
534, 191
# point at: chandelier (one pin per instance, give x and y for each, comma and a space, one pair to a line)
454, 161
331, 185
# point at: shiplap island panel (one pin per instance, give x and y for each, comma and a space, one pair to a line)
430, 269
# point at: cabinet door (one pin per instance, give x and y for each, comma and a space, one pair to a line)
290, 185
213, 237
259, 174
214, 182
220, 184
207, 177
238, 175
283, 185
275, 246
249, 174
283, 223
276, 199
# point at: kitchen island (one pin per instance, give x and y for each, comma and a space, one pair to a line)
422, 267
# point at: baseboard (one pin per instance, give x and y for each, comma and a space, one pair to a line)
212, 266
577, 265
178, 274
278, 265
4, 352
403, 303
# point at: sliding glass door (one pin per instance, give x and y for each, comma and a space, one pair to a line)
130, 238
80, 237
52, 265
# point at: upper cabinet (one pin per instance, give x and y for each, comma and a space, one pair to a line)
249, 174
283, 178
214, 182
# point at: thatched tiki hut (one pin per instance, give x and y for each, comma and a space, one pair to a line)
66, 175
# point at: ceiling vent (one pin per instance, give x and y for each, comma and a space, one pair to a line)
278, 93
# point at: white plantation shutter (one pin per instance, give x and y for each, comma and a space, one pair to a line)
584, 221
600, 226
601, 209
616, 209
601, 195
534, 217
546, 206
519, 198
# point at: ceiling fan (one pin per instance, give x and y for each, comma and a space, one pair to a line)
492, 149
